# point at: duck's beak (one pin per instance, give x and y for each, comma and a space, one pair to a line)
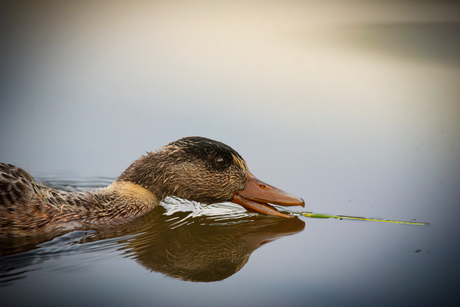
257, 194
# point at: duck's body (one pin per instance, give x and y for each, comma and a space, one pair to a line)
28, 208
193, 168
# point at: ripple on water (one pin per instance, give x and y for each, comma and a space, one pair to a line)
47, 255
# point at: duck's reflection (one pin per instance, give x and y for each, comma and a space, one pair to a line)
200, 249
206, 249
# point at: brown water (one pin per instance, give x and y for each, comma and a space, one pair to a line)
352, 105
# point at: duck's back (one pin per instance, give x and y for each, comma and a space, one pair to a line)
22, 212
16, 186
29, 208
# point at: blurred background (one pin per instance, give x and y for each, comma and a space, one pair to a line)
352, 105
320, 97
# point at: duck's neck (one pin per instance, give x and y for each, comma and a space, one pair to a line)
119, 203
131, 200
129, 190
150, 172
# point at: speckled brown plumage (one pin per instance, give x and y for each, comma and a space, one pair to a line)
192, 168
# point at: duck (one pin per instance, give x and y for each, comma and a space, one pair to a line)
194, 168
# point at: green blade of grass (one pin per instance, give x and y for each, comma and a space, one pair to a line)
340, 217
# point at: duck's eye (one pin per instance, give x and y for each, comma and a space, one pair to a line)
220, 161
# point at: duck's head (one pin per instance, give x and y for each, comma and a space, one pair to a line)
206, 171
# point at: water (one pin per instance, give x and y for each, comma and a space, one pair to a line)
209, 253
352, 106
177, 240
